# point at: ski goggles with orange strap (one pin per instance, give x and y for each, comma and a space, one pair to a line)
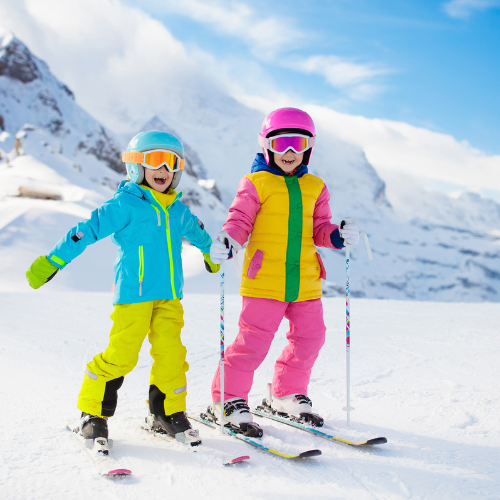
282, 143
155, 159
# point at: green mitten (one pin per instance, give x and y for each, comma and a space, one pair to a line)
209, 265
41, 271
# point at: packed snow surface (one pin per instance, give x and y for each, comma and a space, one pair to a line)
425, 375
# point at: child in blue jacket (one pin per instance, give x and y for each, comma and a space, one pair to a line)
147, 221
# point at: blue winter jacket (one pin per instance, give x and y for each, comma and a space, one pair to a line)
149, 237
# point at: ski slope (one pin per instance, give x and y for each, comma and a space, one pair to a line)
425, 375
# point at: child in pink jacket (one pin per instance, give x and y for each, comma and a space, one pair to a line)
283, 212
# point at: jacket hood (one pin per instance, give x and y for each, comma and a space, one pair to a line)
260, 164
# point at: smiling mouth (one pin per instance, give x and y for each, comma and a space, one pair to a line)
160, 180
288, 162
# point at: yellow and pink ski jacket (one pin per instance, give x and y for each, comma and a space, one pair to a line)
284, 219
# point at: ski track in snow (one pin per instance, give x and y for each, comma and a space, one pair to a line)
425, 375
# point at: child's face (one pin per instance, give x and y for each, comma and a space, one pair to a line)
159, 179
288, 161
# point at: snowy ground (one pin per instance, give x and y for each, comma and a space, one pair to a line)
425, 375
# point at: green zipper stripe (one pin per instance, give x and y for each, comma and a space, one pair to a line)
141, 268
294, 243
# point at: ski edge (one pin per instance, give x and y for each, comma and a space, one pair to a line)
330, 437
250, 441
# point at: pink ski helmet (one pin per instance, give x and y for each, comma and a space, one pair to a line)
287, 120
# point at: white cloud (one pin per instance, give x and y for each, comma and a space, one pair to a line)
463, 9
352, 78
365, 91
265, 36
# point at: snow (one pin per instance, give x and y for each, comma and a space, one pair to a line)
425, 375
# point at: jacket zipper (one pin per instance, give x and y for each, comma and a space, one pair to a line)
141, 268
157, 215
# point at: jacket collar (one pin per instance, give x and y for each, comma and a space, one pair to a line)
260, 164
144, 193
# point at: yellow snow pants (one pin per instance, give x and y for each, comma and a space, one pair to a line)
162, 321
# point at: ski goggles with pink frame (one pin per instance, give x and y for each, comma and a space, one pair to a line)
282, 143
155, 159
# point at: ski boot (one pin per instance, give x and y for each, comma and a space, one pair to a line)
296, 407
177, 426
92, 427
237, 415
94, 430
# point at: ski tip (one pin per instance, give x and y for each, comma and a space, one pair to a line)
379, 440
237, 460
310, 453
117, 472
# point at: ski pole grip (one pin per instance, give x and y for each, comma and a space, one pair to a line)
361, 233
346, 221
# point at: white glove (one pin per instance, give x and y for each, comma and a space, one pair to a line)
223, 248
349, 232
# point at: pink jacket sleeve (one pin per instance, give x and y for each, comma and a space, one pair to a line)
322, 227
242, 212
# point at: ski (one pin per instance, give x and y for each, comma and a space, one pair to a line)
202, 418
99, 451
266, 412
194, 449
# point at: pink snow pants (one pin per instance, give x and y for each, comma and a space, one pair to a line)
259, 321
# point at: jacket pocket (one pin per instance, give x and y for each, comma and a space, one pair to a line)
322, 272
255, 264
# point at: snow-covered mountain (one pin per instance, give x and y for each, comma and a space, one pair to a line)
427, 245
51, 148
32, 95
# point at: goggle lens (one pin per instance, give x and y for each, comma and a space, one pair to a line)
155, 159
281, 144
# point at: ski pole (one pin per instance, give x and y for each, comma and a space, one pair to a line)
348, 408
222, 348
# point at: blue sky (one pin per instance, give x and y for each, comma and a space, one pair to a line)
430, 64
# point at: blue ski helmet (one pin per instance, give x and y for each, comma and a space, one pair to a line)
153, 139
